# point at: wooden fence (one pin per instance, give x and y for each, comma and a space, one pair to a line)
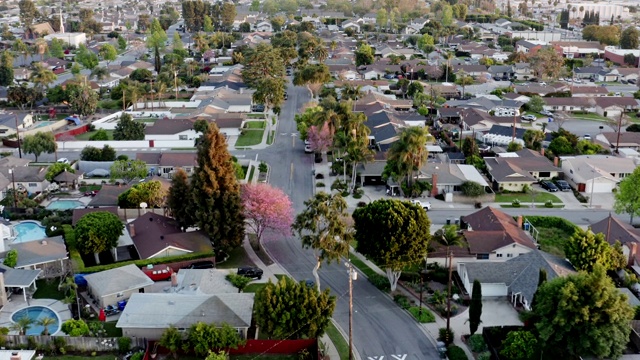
75, 343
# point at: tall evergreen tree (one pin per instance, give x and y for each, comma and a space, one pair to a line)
475, 307
181, 210
6, 69
216, 193
509, 14
542, 278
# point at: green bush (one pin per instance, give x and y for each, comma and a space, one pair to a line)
320, 184
472, 189
516, 203
456, 353
381, 282
552, 222
548, 204
424, 317
145, 262
74, 254
446, 336
402, 301
476, 343
485, 356
124, 344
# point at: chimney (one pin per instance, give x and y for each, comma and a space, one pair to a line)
520, 221
15, 356
542, 151
132, 230
555, 161
633, 251
434, 184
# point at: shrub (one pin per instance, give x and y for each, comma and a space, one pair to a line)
137, 356
485, 356
548, 204
320, 184
381, 282
456, 353
318, 176
516, 203
357, 193
551, 222
124, 344
402, 301
476, 343
472, 189
361, 204
446, 336
423, 317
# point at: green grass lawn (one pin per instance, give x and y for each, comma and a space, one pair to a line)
48, 289
552, 240
110, 328
87, 135
255, 125
250, 137
147, 120
541, 197
590, 116
237, 258
422, 317
271, 137
338, 341
90, 188
361, 265
256, 116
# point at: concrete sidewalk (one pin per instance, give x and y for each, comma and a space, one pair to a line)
270, 273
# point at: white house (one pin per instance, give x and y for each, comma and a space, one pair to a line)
74, 39
596, 173
264, 26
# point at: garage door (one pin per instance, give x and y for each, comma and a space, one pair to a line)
493, 290
601, 187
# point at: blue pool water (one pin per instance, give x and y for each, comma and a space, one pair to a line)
36, 313
40, 124
64, 204
29, 231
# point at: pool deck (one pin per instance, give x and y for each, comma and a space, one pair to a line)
85, 200
17, 303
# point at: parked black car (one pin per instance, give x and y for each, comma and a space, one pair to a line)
563, 185
251, 272
548, 185
205, 264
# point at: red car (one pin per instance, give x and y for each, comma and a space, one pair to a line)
158, 272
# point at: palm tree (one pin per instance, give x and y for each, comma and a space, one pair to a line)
409, 153
41, 76
161, 88
463, 79
45, 322
448, 236
22, 325
41, 47
320, 53
99, 73
322, 226
333, 45
133, 93
201, 41
358, 149
448, 56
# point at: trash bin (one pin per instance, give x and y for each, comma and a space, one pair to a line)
457, 222
448, 221
122, 304
526, 226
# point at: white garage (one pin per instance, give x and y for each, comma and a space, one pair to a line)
493, 290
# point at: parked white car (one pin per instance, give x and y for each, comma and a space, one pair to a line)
423, 204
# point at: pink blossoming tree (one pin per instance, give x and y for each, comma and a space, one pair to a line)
320, 137
266, 207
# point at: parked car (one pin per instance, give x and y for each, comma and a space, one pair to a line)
308, 149
586, 137
286, 96
548, 185
563, 185
250, 272
546, 113
91, 193
623, 81
205, 264
158, 272
632, 81
423, 204
528, 117
63, 161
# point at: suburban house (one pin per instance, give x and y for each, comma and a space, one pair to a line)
108, 195
613, 106
165, 163
489, 234
628, 236
27, 178
512, 171
171, 129
596, 173
48, 255
108, 287
149, 315
570, 104
203, 282
516, 278
447, 177
156, 236
231, 101
8, 122
622, 140
523, 71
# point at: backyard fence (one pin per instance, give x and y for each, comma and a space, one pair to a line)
72, 343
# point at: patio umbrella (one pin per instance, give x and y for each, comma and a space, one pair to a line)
102, 316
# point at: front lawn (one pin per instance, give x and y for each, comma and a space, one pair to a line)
553, 233
541, 197
87, 135
338, 340
422, 317
237, 258
85, 188
590, 116
255, 124
250, 137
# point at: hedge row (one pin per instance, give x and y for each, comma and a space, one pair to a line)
552, 222
72, 246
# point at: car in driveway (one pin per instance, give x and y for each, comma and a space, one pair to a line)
546, 113
423, 204
563, 185
204, 264
158, 272
548, 185
250, 272
528, 117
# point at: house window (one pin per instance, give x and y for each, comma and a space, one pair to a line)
498, 255
182, 137
482, 256
166, 170
544, 174
33, 185
119, 295
509, 255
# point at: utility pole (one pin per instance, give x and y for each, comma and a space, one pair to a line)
449, 296
513, 127
15, 197
618, 137
18, 136
353, 275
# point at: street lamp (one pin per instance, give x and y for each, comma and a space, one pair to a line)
13, 181
353, 275
593, 183
18, 136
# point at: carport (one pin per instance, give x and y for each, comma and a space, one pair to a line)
19, 279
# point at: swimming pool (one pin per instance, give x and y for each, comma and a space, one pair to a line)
64, 204
37, 313
29, 231
40, 124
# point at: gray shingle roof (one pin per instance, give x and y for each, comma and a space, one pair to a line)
113, 281
40, 252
